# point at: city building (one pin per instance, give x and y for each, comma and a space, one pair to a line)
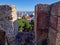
28, 15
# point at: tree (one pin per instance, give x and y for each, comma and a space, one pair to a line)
24, 25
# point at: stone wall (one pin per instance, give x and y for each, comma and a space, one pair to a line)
25, 38
8, 21
41, 22
54, 30
2, 37
48, 18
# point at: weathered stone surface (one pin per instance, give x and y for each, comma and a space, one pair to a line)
53, 22
41, 22
54, 30
25, 38
8, 18
8, 21
52, 13
2, 37
52, 36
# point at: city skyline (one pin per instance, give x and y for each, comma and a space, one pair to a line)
26, 5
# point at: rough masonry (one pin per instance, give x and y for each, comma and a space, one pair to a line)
54, 29
47, 24
8, 21
42, 22
2, 37
9, 34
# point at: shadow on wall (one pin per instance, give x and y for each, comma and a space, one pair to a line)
25, 38
2, 37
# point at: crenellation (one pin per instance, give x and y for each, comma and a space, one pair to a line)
8, 21
47, 25
52, 22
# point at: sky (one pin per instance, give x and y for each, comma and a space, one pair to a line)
26, 5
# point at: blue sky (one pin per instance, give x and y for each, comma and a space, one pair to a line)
26, 5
